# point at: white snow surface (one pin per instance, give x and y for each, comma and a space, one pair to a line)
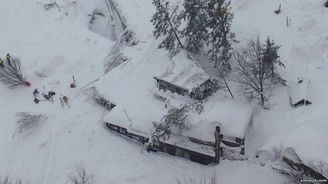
185, 73
54, 45
299, 91
232, 116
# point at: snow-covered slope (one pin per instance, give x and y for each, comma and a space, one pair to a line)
304, 52
53, 45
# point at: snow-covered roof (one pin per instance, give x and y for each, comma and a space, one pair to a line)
299, 91
137, 119
309, 141
232, 116
184, 72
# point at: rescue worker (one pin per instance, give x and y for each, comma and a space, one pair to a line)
65, 99
36, 93
51, 93
2, 65
8, 57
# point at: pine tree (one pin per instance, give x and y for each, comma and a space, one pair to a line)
221, 37
11, 73
166, 24
271, 57
195, 32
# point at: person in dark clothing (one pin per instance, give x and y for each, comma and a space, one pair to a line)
65, 99
36, 93
2, 65
36, 100
8, 59
51, 93
47, 97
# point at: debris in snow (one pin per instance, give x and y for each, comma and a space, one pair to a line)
73, 84
277, 11
51, 5
299, 93
94, 15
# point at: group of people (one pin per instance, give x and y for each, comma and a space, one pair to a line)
47, 96
8, 59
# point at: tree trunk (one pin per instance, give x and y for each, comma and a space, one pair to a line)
226, 84
174, 31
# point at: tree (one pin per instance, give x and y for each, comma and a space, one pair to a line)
220, 39
220, 35
271, 57
175, 117
11, 74
257, 66
166, 24
195, 32
26, 121
81, 177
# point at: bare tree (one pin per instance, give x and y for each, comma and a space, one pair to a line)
11, 74
257, 69
28, 121
82, 177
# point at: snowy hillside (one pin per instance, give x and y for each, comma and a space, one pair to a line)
55, 44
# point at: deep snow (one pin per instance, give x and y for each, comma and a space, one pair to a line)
54, 45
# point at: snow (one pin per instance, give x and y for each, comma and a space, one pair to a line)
300, 91
232, 116
185, 73
54, 45
308, 143
137, 119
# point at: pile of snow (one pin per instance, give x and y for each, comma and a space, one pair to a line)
232, 116
299, 91
184, 72
54, 45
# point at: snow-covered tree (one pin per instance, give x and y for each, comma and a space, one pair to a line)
220, 35
175, 118
195, 32
11, 74
257, 66
271, 57
166, 23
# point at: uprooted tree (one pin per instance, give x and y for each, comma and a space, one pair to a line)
27, 122
11, 74
257, 66
175, 119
